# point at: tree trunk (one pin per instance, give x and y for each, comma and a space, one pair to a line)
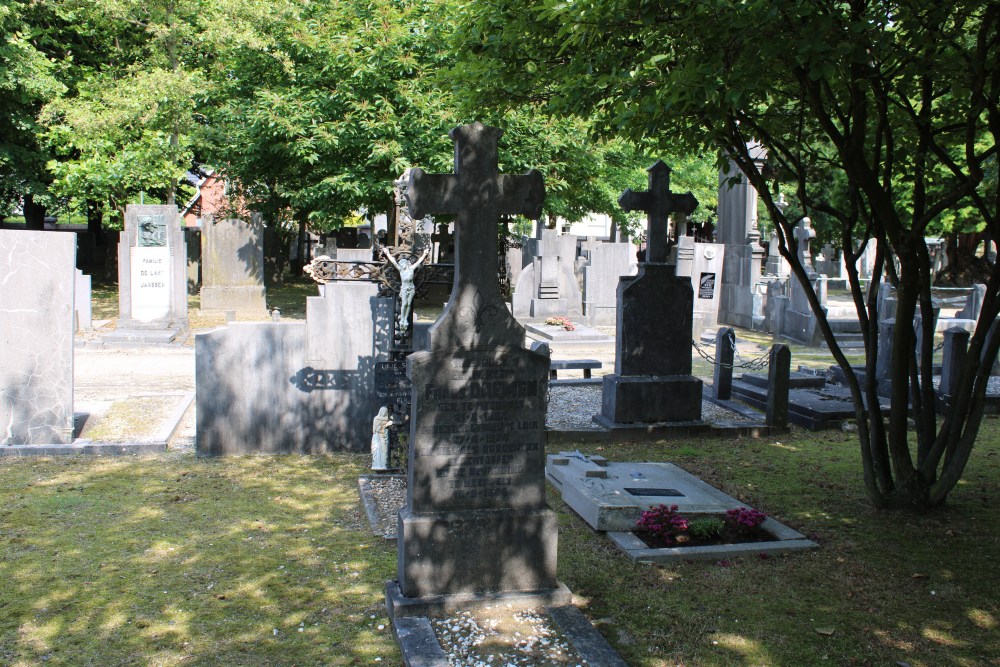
300, 239
95, 220
34, 214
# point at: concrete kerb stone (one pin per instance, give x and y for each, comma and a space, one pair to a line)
87, 446
787, 540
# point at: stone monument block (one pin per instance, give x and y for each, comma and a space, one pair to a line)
152, 274
608, 263
84, 319
233, 266
36, 337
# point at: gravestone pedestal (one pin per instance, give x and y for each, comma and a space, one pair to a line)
652, 381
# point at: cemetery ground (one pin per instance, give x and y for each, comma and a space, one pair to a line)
169, 559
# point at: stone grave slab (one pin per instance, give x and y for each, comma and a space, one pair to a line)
795, 380
232, 253
812, 408
559, 335
611, 496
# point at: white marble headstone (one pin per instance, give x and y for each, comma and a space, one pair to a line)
36, 337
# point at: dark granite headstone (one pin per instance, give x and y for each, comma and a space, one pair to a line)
652, 381
475, 521
779, 367
722, 378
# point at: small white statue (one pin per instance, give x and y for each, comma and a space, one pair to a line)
380, 439
406, 287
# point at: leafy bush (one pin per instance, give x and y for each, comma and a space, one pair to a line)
663, 522
708, 528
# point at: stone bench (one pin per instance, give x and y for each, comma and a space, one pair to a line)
586, 365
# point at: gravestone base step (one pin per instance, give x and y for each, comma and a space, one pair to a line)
141, 336
399, 606
420, 647
653, 429
650, 399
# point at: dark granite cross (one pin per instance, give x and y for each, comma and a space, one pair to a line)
477, 194
658, 202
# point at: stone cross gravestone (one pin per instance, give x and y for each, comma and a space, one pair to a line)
475, 520
652, 381
36, 337
658, 202
804, 233
152, 275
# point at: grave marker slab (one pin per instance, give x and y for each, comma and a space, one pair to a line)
233, 265
475, 520
36, 337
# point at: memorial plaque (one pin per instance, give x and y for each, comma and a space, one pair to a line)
706, 286
392, 387
152, 231
479, 430
150, 283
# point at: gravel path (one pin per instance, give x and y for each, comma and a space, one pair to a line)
572, 407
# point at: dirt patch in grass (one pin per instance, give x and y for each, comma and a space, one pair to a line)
137, 419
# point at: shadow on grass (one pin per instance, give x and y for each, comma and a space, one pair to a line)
175, 559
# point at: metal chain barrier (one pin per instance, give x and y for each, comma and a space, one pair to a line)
755, 364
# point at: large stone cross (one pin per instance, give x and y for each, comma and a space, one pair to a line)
477, 194
658, 202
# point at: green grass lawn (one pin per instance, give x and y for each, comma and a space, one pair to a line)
175, 560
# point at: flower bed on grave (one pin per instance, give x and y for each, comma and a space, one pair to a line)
678, 539
662, 527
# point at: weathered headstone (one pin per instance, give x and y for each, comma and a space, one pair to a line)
706, 278
36, 337
776, 264
233, 266
152, 276
608, 263
956, 348
804, 233
475, 520
652, 381
548, 286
